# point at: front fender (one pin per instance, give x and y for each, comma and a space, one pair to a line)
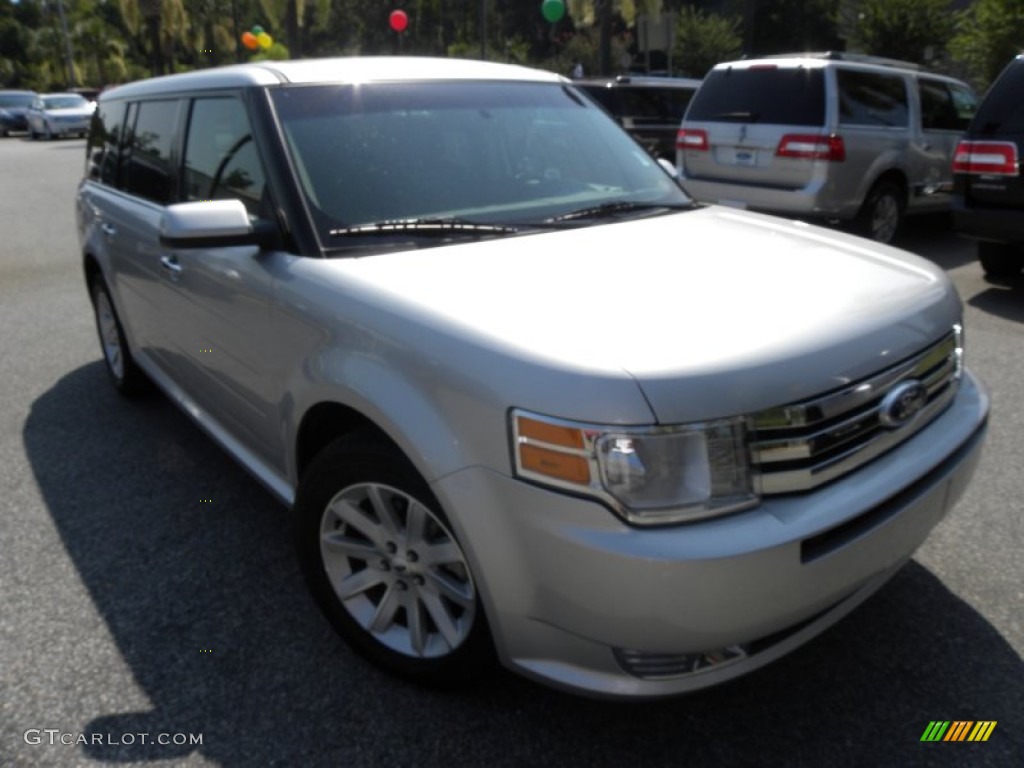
417, 423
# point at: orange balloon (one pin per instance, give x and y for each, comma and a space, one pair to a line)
249, 41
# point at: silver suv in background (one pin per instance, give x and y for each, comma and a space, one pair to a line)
831, 136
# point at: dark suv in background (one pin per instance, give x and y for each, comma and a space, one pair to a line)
650, 108
988, 186
13, 106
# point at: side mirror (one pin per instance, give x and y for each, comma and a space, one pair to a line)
669, 168
212, 224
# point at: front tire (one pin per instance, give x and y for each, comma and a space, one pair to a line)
882, 212
125, 374
385, 567
1000, 259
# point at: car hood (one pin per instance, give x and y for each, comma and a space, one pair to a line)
711, 312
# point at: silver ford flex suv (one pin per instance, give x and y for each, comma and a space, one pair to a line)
524, 400
832, 136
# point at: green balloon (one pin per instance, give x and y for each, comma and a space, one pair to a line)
257, 30
552, 10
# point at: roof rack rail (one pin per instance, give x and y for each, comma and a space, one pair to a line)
860, 58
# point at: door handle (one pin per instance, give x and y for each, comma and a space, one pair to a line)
108, 229
170, 263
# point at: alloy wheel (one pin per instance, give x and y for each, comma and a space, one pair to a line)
109, 334
885, 218
397, 570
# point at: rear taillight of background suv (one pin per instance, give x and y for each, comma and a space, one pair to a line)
812, 146
989, 158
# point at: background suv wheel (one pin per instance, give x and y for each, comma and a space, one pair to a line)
882, 212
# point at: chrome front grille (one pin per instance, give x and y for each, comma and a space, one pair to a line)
800, 446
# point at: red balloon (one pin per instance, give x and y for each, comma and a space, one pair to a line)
398, 20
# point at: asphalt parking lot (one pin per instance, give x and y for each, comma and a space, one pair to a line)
149, 586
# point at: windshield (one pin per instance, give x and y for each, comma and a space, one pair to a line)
480, 153
63, 102
15, 99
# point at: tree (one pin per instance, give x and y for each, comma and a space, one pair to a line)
911, 30
704, 39
988, 35
100, 51
790, 26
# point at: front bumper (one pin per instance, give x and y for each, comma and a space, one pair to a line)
61, 128
577, 599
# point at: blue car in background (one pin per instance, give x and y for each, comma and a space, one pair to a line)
13, 106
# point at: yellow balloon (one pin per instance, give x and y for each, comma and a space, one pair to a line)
264, 40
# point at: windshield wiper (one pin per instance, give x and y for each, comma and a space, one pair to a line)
605, 210
426, 226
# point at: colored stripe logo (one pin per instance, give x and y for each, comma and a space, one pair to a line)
959, 730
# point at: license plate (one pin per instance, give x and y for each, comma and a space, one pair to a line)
741, 156
745, 157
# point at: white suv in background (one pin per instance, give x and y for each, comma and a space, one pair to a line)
831, 136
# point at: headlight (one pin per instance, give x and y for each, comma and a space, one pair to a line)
648, 476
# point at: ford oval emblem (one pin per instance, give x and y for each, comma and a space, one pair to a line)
902, 403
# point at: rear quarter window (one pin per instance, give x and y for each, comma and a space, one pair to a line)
776, 95
658, 104
938, 112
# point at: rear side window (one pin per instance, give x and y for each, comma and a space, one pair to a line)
655, 104
870, 98
1002, 111
104, 141
148, 169
603, 96
777, 95
937, 109
221, 161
